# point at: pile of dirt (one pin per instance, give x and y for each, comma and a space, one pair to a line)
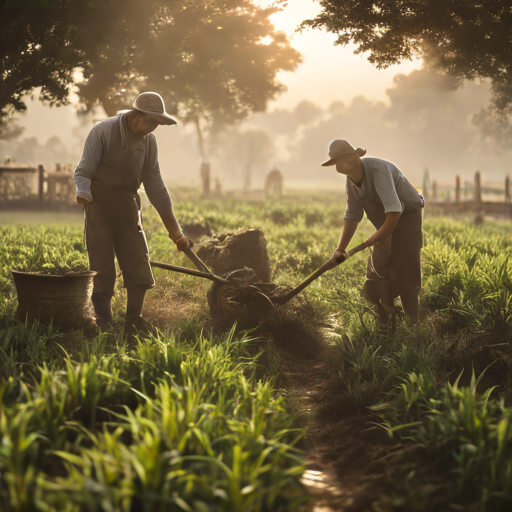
229, 251
244, 299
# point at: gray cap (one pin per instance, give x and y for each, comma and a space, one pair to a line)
152, 104
339, 148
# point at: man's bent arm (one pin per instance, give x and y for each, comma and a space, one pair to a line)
386, 230
164, 209
159, 197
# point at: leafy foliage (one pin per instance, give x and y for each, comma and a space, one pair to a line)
206, 58
468, 39
178, 440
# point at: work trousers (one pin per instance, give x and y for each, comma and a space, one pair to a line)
107, 237
394, 266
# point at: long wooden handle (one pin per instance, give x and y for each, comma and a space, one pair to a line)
355, 250
317, 273
188, 271
194, 258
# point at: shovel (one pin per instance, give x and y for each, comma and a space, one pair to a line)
283, 299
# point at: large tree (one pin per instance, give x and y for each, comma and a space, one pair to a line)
44, 42
214, 60
466, 38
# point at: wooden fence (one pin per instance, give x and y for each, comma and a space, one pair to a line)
476, 197
25, 186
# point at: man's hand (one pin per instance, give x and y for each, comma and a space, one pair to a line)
182, 242
84, 198
337, 258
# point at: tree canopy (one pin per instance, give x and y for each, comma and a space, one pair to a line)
465, 38
215, 59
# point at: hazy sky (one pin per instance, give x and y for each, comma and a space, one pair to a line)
328, 72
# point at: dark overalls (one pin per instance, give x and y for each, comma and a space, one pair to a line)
113, 220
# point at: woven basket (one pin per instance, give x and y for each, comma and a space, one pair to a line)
61, 299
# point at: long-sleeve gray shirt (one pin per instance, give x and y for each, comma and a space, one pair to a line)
384, 189
143, 149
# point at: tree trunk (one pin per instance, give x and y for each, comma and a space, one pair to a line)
205, 166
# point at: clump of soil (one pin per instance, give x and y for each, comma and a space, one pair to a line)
228, 251
244, 299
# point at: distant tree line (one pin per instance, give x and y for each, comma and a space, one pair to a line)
466, 39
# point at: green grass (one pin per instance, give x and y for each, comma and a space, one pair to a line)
442, 389
190, 421
175, 426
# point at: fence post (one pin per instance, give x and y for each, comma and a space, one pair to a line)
478, 191
434, 189
457, 189
467, 187
41, 183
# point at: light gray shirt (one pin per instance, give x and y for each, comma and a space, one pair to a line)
384, 189
144, 150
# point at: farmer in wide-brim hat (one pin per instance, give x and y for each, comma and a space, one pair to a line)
379, 189
120, 154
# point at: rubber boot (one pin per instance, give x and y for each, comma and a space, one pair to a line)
134, 323
102, 303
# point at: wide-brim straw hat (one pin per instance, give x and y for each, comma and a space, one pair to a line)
152, 104
340, 148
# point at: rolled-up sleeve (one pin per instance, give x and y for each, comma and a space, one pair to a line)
88, 165
154, 185
354, 211
386, 190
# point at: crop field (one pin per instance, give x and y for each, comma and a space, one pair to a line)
197, 420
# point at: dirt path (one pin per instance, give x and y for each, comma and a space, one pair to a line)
325, 489
336, 440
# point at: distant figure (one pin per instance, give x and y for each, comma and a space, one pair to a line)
274, 184
120, 153
379, 189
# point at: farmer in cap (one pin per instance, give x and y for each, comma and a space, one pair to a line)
379, 189
120, 153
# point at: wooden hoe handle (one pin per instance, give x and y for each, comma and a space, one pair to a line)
194, 258
188, 271
317, 273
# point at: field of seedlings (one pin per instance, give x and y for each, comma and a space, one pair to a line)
198, 420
